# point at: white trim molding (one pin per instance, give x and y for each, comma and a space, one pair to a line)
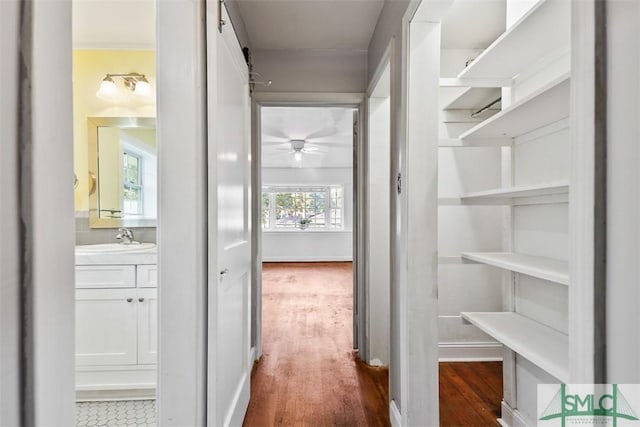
308, 259
470, 352
512, 417
182, 261
394, 414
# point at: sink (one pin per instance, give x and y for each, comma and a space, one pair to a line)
114, 248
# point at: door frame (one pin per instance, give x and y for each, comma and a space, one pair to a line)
303, 99
386, 62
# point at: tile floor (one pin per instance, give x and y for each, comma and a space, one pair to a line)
123, 413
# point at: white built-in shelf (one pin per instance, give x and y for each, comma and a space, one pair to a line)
549, 269
540, 344
544, 106
540, 31
474, 98
509, 195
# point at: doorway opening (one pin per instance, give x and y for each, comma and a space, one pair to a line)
308, 369
116, 188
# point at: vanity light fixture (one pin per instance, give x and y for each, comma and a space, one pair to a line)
137, 83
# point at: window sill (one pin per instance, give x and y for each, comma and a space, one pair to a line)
308, 231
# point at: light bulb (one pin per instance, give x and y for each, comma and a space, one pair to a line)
108, 89
297, 156
143, 88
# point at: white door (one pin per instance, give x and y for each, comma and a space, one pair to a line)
230, 267
147, 301
106, 327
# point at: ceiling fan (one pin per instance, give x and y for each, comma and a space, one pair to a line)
299, 146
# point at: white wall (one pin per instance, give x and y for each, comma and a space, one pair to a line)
389, 30
623, 192
182, 213
310, 245
311, 70
10, 258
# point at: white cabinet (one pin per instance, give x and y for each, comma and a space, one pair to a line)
106, 327
105, 276
147, 276
147, 301
116, 330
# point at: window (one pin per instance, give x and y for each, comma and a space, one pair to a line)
318, 208
132, 177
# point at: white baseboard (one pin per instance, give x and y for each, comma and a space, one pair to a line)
469, 352
240, 404
128, 394
328, 258
512, 417
394, 414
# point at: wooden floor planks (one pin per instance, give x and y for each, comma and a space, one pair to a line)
470, 393
309, 375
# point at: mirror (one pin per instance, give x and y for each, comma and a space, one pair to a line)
123, 171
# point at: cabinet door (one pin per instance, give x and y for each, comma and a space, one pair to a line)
105, 276
147, 302
147, 276
106, 327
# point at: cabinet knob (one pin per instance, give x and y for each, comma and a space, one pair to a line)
129, 299
140, 299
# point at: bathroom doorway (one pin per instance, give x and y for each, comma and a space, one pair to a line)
116, 205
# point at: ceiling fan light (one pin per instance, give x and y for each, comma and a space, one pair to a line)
297, 156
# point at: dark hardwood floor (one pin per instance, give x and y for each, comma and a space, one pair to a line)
470, 393
309, 375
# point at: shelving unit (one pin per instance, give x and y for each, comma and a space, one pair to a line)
474, 98
544, 106
543, 29
509, 196
530, 134
540, 344
543, 268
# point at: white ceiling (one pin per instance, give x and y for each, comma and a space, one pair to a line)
473, 24
310, 24
284, 24
114, 24
327, 130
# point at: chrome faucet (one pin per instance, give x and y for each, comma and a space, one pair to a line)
126, 237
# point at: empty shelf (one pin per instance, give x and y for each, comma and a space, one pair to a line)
475, 98
509, 194
540, 344
549, 269
547, 105
543, 29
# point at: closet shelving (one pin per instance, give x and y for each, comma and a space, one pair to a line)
543, 268
544, 106
540, 344
474, 98
529, 46
538, 32
511, 195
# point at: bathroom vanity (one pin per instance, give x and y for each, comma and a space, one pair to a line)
116, 321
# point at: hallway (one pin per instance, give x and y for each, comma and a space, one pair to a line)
308, 373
